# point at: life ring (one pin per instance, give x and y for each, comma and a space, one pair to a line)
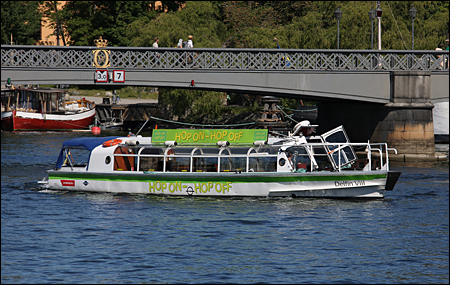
169, 153
111, 142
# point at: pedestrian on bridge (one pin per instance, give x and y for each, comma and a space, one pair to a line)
155, 45
180, 43
287, 61
190, 44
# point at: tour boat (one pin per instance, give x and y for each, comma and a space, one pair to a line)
226, 163
44, 109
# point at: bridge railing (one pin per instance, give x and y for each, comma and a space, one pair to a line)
212, 58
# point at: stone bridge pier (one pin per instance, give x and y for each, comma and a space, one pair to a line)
406, 123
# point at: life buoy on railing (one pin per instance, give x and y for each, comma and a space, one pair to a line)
111, 142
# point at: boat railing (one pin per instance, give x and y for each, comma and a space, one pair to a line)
380, 149
220, 159
368, 148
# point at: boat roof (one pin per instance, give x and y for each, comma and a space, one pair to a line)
88, 143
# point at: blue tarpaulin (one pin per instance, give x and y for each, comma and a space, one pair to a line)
88, 143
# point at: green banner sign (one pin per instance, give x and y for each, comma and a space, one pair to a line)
209, 137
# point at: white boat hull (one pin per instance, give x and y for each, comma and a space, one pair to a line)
325, 185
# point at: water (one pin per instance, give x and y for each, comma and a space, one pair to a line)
65, 237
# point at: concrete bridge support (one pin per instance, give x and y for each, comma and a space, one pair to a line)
406, 123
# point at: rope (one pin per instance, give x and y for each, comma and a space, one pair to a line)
315, 109
198, 125
286, 115
289, 116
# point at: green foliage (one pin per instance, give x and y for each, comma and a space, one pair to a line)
190, 105
306, 33
21, 19
86, 21
207, 106
198, 18
248, 24
238, 24
141, 33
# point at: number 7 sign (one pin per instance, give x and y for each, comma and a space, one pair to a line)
118, 75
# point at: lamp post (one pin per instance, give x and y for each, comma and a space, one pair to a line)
412, 14
372, 14
338, 14
379, 12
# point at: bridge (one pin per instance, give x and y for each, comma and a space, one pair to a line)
401, 85
357, 75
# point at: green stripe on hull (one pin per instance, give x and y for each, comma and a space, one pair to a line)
192, 177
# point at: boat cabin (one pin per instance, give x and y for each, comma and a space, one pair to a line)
138, 154
41, 100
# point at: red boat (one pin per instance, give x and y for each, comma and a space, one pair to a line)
44, 109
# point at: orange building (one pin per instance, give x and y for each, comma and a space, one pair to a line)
48, 34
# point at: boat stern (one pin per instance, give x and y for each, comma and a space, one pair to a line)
391, 180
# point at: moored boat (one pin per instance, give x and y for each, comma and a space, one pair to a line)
44, 109
226, 163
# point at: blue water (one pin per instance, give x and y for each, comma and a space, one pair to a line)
66, 237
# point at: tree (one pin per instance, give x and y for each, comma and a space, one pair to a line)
86, 21
190, 105
246, 21
21, 21
52, 11
198, 18
167, 27
240, 24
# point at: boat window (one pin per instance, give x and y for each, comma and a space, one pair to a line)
205, 160
337, 137
239, 164
225, 162
178, 164
76, 157
151, 163
268, 150
299, 158
340, 155
321, 157
262, 164
178, 160
230, 163
124, 158
205, 164
347, 156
